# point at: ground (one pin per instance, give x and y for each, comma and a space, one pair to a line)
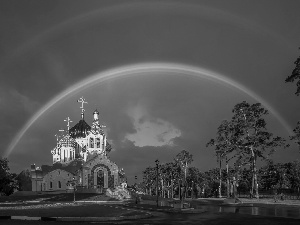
111, 211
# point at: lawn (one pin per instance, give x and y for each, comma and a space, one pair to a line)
62, 197
69, 210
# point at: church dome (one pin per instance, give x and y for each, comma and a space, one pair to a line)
80, 130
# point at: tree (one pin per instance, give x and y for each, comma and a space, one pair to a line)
268, 175
224, 144
210, 182
170, 172
295, 75
183, 159
252, 137
293, 174
296, 137
149, 177
24, 180
7, 181
194, 179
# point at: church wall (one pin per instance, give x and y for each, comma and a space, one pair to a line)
103, 163
37, 184
56, 180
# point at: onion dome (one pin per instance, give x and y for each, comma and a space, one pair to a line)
66, 141
96, 115
80, 130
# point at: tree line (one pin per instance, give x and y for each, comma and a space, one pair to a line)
11, 182
241, 141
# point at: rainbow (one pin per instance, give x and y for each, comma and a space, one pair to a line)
143, 69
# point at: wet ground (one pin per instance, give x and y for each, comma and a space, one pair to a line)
255, 209
205, 212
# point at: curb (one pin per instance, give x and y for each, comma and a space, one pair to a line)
183, 211
107, 202
77, 219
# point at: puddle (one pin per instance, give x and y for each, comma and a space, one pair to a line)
25, 218
250, 209
273, 211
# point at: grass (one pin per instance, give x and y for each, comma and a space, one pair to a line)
63, 197
71, 210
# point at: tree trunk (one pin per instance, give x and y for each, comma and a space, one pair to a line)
227, 171
255, 178
185, 183
252, 183
162, 188
220, 194
179, 190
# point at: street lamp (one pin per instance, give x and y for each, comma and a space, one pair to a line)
136, 195
157, 163
74, 187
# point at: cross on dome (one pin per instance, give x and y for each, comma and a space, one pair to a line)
68, 120
56, 135
61, 132
82, 101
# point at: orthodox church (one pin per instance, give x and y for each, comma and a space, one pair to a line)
80, 157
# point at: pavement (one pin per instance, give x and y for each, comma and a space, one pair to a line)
69, 211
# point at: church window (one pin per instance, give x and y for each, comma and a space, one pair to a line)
59, 184
92, 142
51, 184
98, 142
59, 172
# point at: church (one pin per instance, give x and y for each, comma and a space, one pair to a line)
80, 157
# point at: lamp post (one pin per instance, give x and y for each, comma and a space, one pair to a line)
157, 163
74, 187
136, 195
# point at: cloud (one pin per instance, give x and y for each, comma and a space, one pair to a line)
150, 131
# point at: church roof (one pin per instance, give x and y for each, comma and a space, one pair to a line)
66, 141
72, 167
80, 130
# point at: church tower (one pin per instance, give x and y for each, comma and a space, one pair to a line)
64, 151
97, 138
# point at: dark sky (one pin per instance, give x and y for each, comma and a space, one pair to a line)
162, 74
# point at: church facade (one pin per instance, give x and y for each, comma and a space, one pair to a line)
80, 157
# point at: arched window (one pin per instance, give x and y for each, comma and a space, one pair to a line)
98, 142
92, 142
59, 184
51, 184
